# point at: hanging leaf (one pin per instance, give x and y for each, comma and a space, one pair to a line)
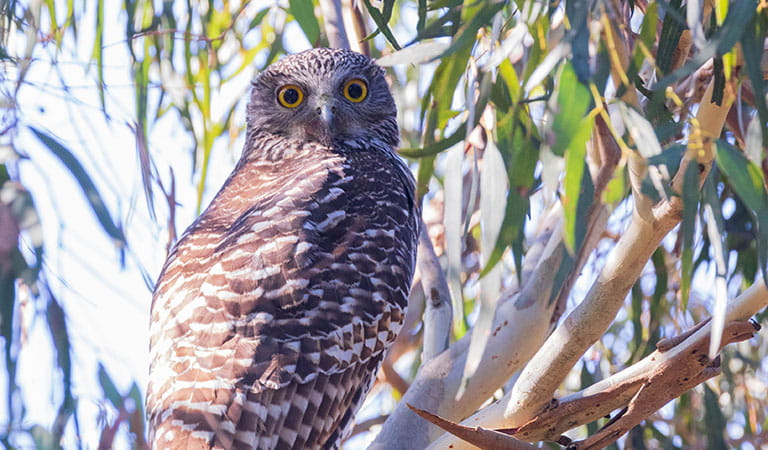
687, 229
304, 12
747, 180
714, 420
579, 38
381, 19
573, 99
57, 325
519, 149
92, 195
453, 218
723, 40
671, 29
472, 22
109, 388
752, 47
98, 52
578, 191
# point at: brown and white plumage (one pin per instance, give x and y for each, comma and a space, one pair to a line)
272, 313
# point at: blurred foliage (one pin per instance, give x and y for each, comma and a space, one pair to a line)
527, 78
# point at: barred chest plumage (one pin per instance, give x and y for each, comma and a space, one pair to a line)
274, 309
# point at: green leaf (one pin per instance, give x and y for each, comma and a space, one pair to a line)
109, 388
752, 47
304, 12
443, 26
723, 40
648, 28
256, 21
98, 52
745, 177
671, 29
467, 34
747, 180
577, 189
92, 195
44, 438
436, 103
439, 95
714, 420
573, 99
381, 19
579, 38
57, 325
688, 229
8, 332
136, 418
519, 149
422, 12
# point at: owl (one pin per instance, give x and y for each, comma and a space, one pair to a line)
273, 311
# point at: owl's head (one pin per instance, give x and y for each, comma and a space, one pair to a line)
324, 95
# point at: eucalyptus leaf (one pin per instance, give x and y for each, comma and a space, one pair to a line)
304, 13
92, 195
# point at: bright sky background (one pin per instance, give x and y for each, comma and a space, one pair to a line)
107, 305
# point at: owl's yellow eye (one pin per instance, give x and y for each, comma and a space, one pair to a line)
355, 90
290, 96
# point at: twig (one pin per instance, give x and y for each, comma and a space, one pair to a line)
481, 437
366, 425
392, 377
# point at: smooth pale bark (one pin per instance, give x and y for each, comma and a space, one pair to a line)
334, 23
437, 309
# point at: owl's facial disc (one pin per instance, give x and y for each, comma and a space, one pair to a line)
325, 96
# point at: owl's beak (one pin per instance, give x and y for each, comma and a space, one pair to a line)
324, 125
325, 110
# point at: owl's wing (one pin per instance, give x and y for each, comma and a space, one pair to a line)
274, 323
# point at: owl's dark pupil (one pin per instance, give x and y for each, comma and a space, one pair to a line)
355, 90
291, 96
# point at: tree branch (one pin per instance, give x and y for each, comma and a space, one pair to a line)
334, 23
354, 22
548, 368
437, 311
